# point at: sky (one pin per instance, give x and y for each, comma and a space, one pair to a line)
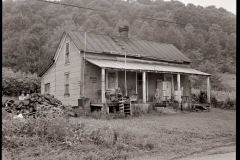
229, 5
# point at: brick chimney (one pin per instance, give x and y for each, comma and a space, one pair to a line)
123, 31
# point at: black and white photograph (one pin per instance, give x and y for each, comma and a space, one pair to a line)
119, 79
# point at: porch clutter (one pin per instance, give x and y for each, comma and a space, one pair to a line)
157, 96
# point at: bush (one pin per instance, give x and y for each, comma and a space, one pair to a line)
33, 132
214, 102
229, 104
15, 82
202, 97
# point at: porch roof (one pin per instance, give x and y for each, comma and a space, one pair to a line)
151, 67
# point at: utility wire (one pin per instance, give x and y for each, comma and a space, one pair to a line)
93, 9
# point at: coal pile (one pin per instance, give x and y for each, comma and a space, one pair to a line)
35, 105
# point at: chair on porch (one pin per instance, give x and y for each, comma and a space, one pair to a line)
157, 98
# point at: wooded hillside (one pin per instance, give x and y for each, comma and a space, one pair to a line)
32, 30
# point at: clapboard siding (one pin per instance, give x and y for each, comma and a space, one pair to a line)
74, 74
49, 77
55, 75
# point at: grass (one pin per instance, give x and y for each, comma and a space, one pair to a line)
165, 136
177, 135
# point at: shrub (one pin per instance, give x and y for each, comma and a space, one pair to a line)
214, 101
195, 98
15, 82
33, 132
202, 97
230, 104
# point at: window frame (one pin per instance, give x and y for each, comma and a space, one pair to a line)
65, 57
65, 83
45, 85
116, 81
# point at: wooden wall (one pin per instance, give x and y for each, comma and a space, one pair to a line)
49, 77
92, 81
74, 69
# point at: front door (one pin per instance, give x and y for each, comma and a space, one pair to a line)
139, 86
169, 86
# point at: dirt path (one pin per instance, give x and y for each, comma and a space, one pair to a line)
227, 152
225, 156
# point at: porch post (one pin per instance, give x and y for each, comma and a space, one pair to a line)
136, 83
179, 92
144, 86
103, 85
208, 89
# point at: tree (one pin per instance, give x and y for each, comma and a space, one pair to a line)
190, 40
211, 68
200, 40
212, 49
196, 57
175, 37
145, 32
212, 34
135, 27
16, 23
230, 49
102, 27
88, 25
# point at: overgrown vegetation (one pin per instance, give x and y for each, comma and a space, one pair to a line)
15, 82
87, 138
219, 99
61, 135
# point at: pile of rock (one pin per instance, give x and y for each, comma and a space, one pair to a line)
34, 105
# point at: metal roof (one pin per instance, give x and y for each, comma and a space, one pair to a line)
100, 43
95, 42
151, 67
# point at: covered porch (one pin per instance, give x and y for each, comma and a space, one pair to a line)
141, 81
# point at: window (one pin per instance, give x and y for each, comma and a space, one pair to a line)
67, 53
47, 88
66, 84
112, 82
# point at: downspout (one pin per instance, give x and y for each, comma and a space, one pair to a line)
84, 61
80, 72
55, 79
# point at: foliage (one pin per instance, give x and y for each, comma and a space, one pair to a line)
15, 82
219, 99
202, 97
227, 104
230, 104
19, 136
31, 31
